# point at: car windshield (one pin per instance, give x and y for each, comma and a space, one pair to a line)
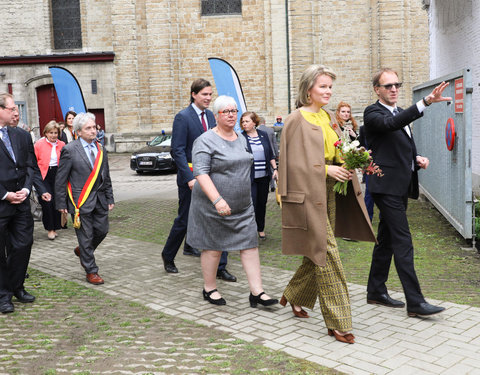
161, 140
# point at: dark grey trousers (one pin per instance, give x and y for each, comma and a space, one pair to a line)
91, 233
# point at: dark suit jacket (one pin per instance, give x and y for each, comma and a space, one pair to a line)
266, 149
63, 137
75, 167
185, 129
15, 176
271, 136
392, 150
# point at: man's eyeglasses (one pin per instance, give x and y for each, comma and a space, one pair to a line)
11, 109
229, 112
390, 85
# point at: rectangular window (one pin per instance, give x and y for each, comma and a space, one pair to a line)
66, 22
220, 7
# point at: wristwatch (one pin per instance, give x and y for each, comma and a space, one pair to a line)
425, 101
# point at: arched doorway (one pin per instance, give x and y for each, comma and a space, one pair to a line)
48, 106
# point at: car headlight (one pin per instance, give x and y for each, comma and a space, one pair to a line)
164, 156
133, 157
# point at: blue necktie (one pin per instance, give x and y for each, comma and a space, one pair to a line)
6, 140
395, 111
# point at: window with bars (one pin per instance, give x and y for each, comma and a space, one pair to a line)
66, 23
220, 7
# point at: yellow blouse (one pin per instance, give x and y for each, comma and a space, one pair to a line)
322, 120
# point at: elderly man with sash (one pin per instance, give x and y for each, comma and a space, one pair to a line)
84, 189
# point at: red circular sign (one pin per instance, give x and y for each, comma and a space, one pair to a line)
450, 134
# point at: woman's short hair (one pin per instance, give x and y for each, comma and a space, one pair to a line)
253, 116
81, 119
51, 125
308, 79
69, 113
340, 121
221, 102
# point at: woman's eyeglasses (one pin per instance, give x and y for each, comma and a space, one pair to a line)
229, 112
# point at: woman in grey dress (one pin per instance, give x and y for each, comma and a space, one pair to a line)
221, 216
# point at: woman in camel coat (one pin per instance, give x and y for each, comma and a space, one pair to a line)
309, 166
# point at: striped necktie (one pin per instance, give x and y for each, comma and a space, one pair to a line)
92, 154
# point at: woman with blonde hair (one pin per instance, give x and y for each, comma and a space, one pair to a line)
47, 151
345, 120
309, 166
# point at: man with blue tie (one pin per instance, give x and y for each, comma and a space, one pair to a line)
188, 125
18, 166
84, 189
390, 138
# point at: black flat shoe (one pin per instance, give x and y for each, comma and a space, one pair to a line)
23, 296
385, 300
424, 309
6, 307
192, 252
226, 276
206, 296
254, 300
169, 266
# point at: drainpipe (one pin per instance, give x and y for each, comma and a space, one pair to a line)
287, 34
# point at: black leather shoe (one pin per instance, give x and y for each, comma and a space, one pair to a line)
254, 300
384, 299
424, 309
206, 296
23, 296
169, 266
192, 252
6, 307
226, 276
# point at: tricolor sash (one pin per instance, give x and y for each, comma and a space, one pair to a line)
87, 188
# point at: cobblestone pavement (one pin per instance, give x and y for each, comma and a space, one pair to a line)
387, 341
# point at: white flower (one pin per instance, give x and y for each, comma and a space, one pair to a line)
355, 143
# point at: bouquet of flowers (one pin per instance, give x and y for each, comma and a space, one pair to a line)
354, 157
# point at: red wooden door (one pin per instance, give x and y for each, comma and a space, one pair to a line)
48, 106
99, 116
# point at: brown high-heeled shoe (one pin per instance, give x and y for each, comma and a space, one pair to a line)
348, 338
299, 314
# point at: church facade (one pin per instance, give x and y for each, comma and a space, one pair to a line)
135, 60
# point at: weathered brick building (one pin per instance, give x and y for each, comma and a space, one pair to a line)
135, 60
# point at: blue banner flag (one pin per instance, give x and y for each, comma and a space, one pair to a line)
68, 90
227, 83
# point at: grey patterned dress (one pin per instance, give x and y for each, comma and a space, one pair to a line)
228, 163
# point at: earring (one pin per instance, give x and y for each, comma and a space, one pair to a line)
308, 96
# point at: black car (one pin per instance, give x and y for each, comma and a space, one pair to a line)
154, 157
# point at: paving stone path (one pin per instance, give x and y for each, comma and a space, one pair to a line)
387, 341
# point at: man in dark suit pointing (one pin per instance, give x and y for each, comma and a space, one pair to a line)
188, 125
389, 136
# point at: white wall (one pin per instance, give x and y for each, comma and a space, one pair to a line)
454, 45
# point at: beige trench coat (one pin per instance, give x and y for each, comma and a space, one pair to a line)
302, 184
